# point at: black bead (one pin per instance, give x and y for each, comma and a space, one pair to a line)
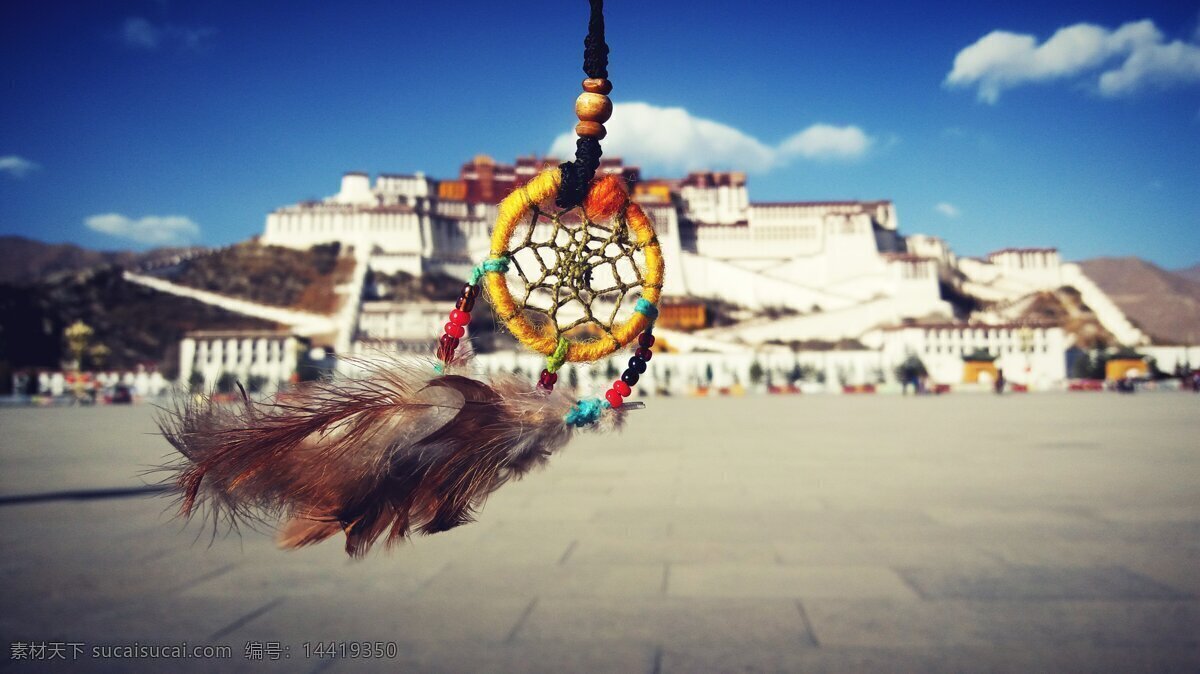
465, 303
637, 365
470, 290
630, 377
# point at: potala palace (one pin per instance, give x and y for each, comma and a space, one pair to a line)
792, 274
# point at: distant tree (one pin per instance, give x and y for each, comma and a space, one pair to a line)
1088, 365
97, 355
756, 372
911, 369
196, 382
610, 369
843, 375
1154, 371
708, 373
573, 377
256, 383
796, 374
226, 382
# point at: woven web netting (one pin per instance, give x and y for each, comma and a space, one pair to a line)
579, 278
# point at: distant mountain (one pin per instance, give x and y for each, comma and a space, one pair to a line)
136, 324
1192, 272
25, 260
1164, 304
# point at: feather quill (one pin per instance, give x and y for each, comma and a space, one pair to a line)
400, 451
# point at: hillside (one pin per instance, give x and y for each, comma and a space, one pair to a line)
1164, 304
26, 260
1192, 273
283, 277
137, 325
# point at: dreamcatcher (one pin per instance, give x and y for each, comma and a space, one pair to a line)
575, 273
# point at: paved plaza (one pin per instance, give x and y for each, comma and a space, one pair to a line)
963, 533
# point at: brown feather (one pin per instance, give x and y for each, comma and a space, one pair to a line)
402, 450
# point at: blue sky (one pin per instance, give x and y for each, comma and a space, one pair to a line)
164, 121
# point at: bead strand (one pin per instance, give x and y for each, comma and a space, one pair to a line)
456, 328
623, 387
593, 108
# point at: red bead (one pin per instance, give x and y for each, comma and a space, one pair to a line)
643, 353
449, 341
622, 388
614, 398
455, 330
646, 340
460, 317
550, 377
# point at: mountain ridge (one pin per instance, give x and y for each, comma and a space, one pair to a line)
25, 260
1164, 304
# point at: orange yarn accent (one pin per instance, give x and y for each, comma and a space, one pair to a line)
606, 198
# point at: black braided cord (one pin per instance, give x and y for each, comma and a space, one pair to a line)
577, 175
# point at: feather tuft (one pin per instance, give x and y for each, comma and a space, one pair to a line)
403, 450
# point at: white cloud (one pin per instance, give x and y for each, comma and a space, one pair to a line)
17, 167
1160, 65
140, 33
822, 141
947, 209
1002, 60
671, 138
156, 230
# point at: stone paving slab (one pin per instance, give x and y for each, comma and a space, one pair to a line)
1037, 583
739, 623
774, 580
873, 623
1061, 660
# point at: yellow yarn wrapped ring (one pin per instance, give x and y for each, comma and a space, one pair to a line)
581, 265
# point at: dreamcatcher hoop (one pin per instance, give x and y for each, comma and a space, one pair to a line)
549, 339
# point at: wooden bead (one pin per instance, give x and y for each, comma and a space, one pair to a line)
597, 85
591, 130
593, 107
